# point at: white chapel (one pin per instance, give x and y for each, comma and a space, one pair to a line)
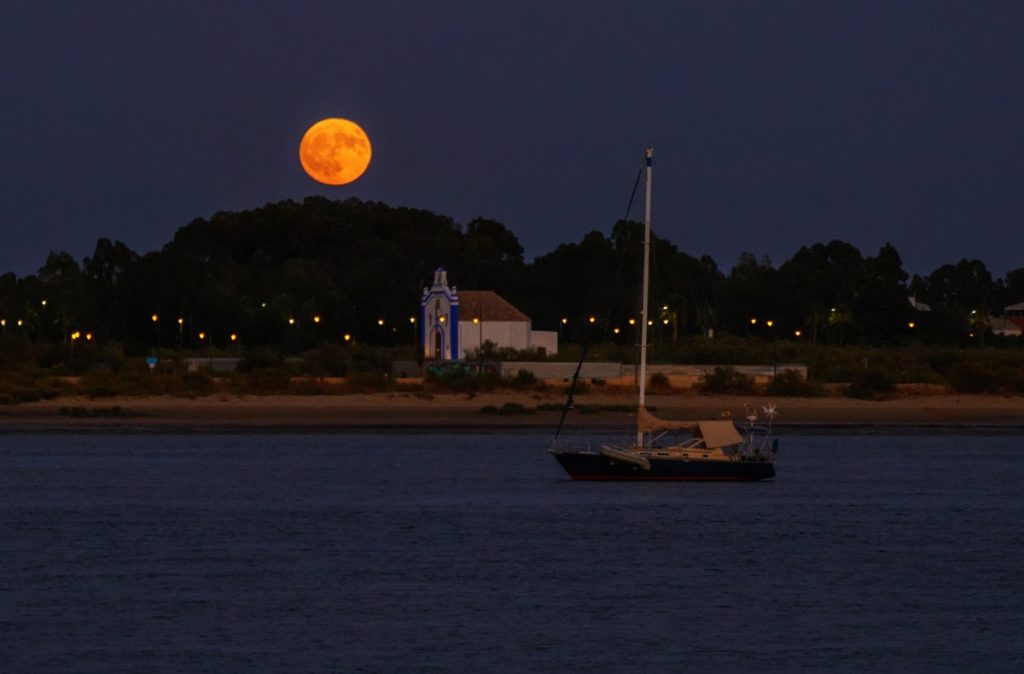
455, 323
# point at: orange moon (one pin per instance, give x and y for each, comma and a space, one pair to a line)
335, 151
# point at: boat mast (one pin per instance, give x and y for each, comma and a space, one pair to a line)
648, 153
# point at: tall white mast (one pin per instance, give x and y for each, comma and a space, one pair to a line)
648, 154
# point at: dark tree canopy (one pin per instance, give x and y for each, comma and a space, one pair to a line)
291, 274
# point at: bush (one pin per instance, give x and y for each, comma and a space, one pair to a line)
658, 383
367, 380
791, 383
100, 382
265, 382
724, 380
197, 382
258, 359
872, 384
979, 377
507, 409
523, 379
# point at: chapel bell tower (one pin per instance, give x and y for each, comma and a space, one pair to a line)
439, 316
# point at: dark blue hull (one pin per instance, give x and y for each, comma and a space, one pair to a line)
594, 466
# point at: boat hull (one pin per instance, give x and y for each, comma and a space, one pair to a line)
593, 466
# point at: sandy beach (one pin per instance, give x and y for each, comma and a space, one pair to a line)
456, 411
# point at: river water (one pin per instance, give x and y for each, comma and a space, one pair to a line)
473, 552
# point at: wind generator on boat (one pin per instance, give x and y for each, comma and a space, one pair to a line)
714, 449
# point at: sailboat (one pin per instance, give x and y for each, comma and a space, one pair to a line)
713, 449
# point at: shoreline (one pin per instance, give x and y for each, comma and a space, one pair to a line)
407, 412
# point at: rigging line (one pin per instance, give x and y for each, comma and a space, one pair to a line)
586, 341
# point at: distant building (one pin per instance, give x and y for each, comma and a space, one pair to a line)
1012, 322
456, 323
918, 306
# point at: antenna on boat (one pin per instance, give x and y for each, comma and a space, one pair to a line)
648, 155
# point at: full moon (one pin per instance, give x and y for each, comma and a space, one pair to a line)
335, 151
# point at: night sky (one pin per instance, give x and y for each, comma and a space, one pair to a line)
775, 124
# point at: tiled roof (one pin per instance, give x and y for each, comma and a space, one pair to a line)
488, 306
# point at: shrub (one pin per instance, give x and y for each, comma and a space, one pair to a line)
197, 382
515, 408
791, 383
523, 379
984, 377
726, 380
265, 382
872, 384
507, 409
100, 382
367, 380
258, 359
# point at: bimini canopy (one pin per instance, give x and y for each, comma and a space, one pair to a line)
715, 433
648, 423
719, 434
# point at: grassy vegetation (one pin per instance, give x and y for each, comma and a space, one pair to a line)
31, 372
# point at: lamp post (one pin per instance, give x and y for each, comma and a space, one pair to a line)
775, 348
479, 341
181, 331
156, 328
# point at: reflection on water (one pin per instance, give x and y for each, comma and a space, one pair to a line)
473, 551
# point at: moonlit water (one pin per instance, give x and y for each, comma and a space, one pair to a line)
473, 552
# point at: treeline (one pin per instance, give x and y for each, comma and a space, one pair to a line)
290, 275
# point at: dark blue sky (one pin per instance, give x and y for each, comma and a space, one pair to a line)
776, 124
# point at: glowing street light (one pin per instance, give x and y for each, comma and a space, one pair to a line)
316, 319
156, 328
753, 321
347, 337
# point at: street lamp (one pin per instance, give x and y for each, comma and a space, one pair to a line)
479, 340
775, 348
156, 327
181, 331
